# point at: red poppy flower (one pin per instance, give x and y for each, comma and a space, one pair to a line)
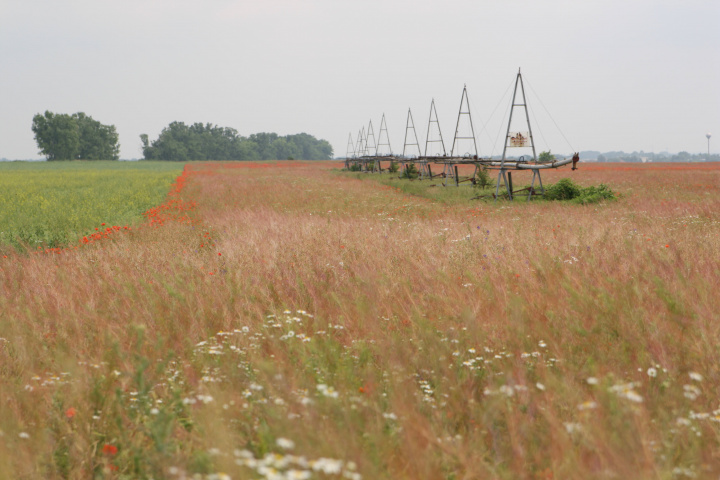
109, 449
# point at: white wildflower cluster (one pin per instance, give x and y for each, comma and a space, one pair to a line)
475, 363
653, 371
48, 380
192, 400
303, 397
506, 390
573, 428
683, 472
571, 260
450, 439
531, 357
479, 362
691, 391
285, 443
627, 391
355, 401
210, 347
427, 391
293, 320
276, 466
327, 391
211, 375
692, 425
713, 417
240, 340
95, 366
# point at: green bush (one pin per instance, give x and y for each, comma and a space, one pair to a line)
394, 167
410, 172
595, 194
567, 190
355, 167
482, 178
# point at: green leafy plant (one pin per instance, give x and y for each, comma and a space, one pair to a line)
394, 167
567, 190
410, 172
482, 178
595, 194
564, 189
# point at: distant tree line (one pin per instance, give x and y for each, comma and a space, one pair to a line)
641, 156
181, 142
75, 137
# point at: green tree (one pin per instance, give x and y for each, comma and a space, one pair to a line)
200, 141
57, 135
264, 143
282, 149
97, 141
74, 137
546, 157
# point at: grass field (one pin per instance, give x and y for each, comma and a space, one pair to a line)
50, 204
287, 321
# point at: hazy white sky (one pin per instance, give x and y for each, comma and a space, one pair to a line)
614, 75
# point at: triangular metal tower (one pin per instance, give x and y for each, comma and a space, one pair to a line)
464, 99
434, 120
350, 151
370, 148
360, 144
410, 124
518, 139
383, 128
357, 145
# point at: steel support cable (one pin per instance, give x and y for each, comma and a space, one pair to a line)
472, 104
551, 117
537, 124
502, 122
491, 116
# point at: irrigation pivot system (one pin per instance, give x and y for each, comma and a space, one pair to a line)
366, 155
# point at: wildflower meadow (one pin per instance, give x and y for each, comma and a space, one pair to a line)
284, 320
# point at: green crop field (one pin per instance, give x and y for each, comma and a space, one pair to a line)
49, 204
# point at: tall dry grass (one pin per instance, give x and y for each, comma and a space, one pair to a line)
399, 336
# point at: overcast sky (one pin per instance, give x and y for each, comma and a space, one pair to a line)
613, 75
